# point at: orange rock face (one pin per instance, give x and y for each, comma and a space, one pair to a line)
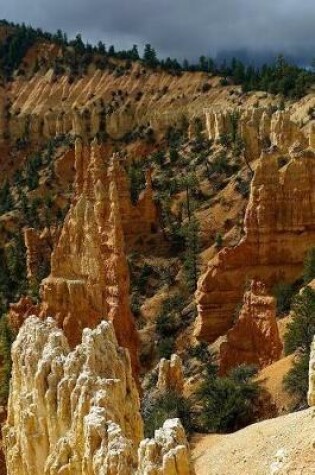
254, 339
279, 230
89, 278
39, 246
19, 312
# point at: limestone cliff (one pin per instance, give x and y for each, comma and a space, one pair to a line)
254, 338
279, 230
77, 411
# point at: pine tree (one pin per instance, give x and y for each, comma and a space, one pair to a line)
191, 256
149, 56
309, 266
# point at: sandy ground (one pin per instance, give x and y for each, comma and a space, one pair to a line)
280, 446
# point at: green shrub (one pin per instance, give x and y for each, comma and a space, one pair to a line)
242, 186
228, 402
283, 293
6, 340
136, 180
156, 409
165, 347
200, 352
309, 266
301, 329
298, 338
296, 381
218, 242
168, 322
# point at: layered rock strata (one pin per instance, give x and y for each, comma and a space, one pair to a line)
254, 338
279, 231
89, 278
77, 411
257, 127
171, 375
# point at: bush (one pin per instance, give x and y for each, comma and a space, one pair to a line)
283, 293
165, 347
296, 381
309, 266
200, 351
157, 408
298, 338
242, 186
168, 323
218, 242
6, 340
228, 402
301, 329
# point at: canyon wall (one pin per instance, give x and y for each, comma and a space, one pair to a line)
77, 411
45, 106
279, 230
258, 127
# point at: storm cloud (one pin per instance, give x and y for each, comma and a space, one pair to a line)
181, 28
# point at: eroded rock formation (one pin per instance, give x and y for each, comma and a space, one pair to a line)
20, 311
258, 128
254, 338
167, 453
311, 386
279, 231
89, 278
77, 411
170, 375
71, 411
39, 246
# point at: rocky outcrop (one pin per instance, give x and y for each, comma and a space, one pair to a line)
45, 106
20, 311
89, 278
71, 411
311, 386
254, 338
258, 127
77, 411
279, 231
39, 246
167, 453
171, 375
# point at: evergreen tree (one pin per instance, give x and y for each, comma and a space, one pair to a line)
228, 402
309, 266
134, 54
299, 336
6, 199
149, 56
191, 256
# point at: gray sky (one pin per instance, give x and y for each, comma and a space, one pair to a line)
181, 28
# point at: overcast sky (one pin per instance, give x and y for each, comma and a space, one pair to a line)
181, 28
